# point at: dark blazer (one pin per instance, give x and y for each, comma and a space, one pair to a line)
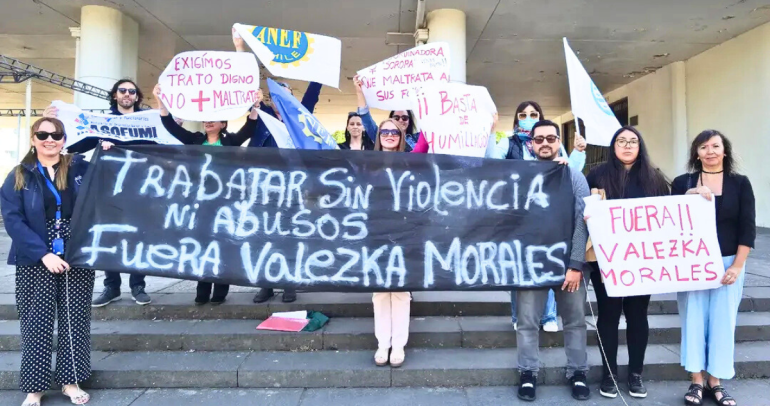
24, 212
198, 138
736, 215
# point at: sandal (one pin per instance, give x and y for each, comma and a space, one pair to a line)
397, 357
726, 398
381, 357
31, 403
694, 391
80, 399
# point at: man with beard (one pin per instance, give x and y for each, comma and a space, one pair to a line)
571, 298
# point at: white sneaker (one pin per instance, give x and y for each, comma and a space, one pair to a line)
551, 327
515, 326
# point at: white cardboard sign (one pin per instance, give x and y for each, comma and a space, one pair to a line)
454, 118
210, 85
388, 84
656, 244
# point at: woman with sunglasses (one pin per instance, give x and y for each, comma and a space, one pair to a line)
355, 135
37, 199
391, 309
628, 174
215, 134
404, 119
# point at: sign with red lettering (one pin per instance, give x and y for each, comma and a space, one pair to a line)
454, 118
388, 84
655, 245
210, 85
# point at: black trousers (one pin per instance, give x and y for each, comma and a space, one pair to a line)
637, 326
41, 297
204, 290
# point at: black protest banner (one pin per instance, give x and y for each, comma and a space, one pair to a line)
324, 220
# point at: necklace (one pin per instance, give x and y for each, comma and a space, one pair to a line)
713, 173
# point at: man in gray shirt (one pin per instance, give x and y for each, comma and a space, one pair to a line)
571, 297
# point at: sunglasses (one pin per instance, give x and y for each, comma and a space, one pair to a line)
43, 135
390, 133
400, 118
551, 139
534, 115
123, 90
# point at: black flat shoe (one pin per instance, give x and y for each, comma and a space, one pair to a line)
200, 301
263, 295
216, 301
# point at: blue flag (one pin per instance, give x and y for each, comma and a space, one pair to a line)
305, 130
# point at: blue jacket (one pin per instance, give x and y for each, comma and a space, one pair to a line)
262, 136
24, 212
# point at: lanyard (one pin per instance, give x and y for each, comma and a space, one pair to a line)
53, 190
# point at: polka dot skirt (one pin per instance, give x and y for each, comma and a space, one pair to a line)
41, 296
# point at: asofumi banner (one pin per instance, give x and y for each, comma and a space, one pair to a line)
387, 84
324, 220
210, 85
295, 54
656, 244
141, 126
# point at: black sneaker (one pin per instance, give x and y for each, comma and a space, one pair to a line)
527, 386
580, 390
263, 295
636, 386
201, 300
107, 297
216, 300
289, 296
608, 389
141, 298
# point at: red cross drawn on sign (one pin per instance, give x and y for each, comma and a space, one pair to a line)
200, 100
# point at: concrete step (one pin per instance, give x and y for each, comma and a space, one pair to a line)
747, 392
332, 369
175, 306
349, 334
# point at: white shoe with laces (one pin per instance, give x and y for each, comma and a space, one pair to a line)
551, 327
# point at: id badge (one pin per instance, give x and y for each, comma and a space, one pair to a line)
58, 246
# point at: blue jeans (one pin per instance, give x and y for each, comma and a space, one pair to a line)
549, 313
112, 280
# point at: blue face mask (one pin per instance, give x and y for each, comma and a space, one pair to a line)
525, 127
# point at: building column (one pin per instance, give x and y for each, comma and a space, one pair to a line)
108, 50
680, 147
448, 25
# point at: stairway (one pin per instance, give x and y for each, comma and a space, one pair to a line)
458, 339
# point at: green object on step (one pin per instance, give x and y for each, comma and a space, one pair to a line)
317, 321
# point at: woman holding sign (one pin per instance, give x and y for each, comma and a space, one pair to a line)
215, 135
37, 200
404, 119
391, 309
709, 316
628, 174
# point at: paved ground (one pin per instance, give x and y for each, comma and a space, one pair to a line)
753, 393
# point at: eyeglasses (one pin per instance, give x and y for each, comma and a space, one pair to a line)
43, 135
123, 90
389, 133
400, 118
534, 115
624, 143
551, 139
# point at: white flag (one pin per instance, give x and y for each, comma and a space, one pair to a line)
278, 130
588, 102
295, 54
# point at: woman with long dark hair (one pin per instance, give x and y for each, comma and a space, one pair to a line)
404, 119
628, 174
708, 317
355, 135
37, 200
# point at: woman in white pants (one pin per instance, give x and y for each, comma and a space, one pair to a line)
391, 309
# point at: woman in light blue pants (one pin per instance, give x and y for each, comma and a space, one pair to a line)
709, 316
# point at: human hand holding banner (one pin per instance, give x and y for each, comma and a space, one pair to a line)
655, 245
454, 118
210, 85
388, 84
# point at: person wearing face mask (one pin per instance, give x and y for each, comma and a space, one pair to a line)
520, 146
37, 200
628, 174
391, 309
708, 317
355, 136
404, 118
215, 135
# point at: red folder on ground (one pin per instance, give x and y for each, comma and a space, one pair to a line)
283, 324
